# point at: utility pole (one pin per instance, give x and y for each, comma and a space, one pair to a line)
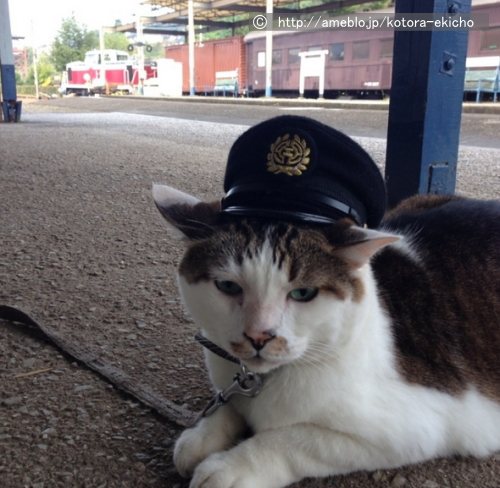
191, 41
35, 73
269, 50
102, 72
140, 52
35, 62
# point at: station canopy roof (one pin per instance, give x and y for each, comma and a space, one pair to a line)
212, 15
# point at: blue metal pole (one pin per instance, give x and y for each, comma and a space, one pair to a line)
426, 104
191, 50
11, 108
269, 51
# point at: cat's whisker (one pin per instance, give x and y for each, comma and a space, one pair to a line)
316, 358
322, 350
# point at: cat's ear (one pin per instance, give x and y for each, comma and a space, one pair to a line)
367, 243
187, 215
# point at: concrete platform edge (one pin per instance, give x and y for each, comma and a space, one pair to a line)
471, 108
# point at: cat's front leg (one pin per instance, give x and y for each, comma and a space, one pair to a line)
275, 458
211, 434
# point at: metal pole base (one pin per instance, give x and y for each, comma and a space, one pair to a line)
11, 110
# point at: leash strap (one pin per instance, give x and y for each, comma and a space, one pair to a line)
245, 382
118, 378
15, 315
212, 347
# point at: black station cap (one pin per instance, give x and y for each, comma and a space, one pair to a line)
296, 168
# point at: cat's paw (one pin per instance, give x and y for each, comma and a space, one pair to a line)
221, 470
194, 445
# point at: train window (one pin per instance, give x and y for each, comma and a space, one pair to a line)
490, 39
386, 47
261, 59
277, 56
314, 48
293, 55
337, 51
93, 58
361, 50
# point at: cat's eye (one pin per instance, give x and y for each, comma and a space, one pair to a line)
228, 287
303, 294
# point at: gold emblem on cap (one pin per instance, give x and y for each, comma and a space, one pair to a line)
288, 155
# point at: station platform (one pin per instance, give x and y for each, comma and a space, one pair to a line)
85, 251
468, 107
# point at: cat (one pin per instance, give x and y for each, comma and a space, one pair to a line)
378, 348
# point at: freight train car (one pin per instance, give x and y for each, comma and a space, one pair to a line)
486, 41
212, 57
358, 62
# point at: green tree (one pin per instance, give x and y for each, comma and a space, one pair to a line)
45, 70
116, 40
72, 42
157, 52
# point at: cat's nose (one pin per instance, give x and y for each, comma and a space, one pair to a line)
260, 338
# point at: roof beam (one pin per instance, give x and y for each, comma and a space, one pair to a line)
130, 27
231, 5
208, 22
217, 4
180, 16
333, 5
162, 31
257, 8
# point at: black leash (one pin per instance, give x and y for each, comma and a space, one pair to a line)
15, 315
245, 382
212, 347
116, 377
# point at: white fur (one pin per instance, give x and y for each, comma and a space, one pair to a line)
335, 404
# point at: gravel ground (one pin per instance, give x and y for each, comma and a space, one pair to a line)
85, 251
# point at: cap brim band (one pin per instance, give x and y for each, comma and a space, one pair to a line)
277, 215
318, 208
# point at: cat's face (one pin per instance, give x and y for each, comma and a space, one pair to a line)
271, 294
267, 293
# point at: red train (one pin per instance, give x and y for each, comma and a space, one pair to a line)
116, 72
358, 62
